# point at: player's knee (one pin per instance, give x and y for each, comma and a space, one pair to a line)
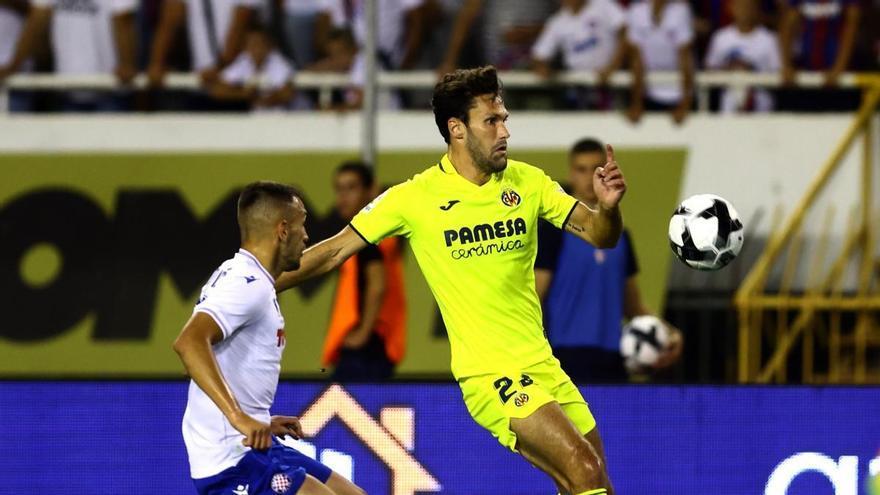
585, 470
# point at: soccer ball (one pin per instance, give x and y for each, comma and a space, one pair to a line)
705, 232
642, 342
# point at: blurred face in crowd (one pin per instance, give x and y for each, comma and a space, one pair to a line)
580, 175
487, 133
341, 51
258, 47
351, 194
745, 13
573, 5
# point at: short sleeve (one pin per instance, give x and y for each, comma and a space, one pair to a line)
632, 31
773, 61
547, 45
615, 15
383, 217
556, 205
232, 302
123, 6
549, 245
239, 72
44, 3
683, 32
632, 264
278, 71
715, 55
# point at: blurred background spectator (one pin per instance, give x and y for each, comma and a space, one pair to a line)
818, 36
589, 35
600, 36
587, 292
260, 76
87, 37
744, 45
660, 33
366, 337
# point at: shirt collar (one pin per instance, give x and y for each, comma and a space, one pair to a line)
446, 165
247, 254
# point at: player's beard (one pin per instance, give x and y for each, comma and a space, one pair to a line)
484, 161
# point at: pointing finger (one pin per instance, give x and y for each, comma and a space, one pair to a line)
610, 153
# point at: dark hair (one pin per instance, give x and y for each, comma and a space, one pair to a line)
587, 145
363, 171
344, 35
454, 94
264, 190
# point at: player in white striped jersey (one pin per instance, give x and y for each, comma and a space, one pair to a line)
232, 347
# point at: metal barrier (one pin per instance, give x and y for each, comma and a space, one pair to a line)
822, 311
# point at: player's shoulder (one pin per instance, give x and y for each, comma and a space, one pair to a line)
244, 277
520, 171
426, 179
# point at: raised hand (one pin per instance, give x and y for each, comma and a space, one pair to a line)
608, 181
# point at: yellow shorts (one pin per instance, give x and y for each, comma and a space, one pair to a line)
494, 399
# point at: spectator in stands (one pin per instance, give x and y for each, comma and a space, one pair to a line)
259, 76
12, 14
366, 338
216, 29
818, 35
587, 292
88, 37
306, 26
401, 28
660, 33
744, 46
345, 56
507, 31
590, 36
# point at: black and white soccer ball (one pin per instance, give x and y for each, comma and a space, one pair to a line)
643, 341
705, 232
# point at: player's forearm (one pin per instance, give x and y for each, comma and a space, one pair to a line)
466, 17
414, 35
847, 39
374, 294
786, 35
36, 24
234, 43
201, 365
637, 67
125, 38
316, 260
173, 12
686, 72
602, 227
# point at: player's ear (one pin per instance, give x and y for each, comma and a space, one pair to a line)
456, 128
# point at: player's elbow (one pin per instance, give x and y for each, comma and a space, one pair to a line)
180, 345
606, 241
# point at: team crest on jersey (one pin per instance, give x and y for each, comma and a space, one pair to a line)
510, 198
521, 400
281, 483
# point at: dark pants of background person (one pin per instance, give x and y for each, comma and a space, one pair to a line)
366, 364
592, 364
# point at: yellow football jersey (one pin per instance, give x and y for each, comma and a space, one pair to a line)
476, 246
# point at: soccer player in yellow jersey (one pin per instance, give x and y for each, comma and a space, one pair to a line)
472, 223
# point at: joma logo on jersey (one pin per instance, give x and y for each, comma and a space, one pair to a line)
485, 232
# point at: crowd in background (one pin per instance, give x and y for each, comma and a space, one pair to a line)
233, 43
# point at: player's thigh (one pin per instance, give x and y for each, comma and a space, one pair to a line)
494, 400
341, 486
312, 486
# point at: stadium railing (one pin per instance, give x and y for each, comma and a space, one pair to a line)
326, 83
780, 318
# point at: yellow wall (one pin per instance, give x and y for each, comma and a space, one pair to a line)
203, 182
